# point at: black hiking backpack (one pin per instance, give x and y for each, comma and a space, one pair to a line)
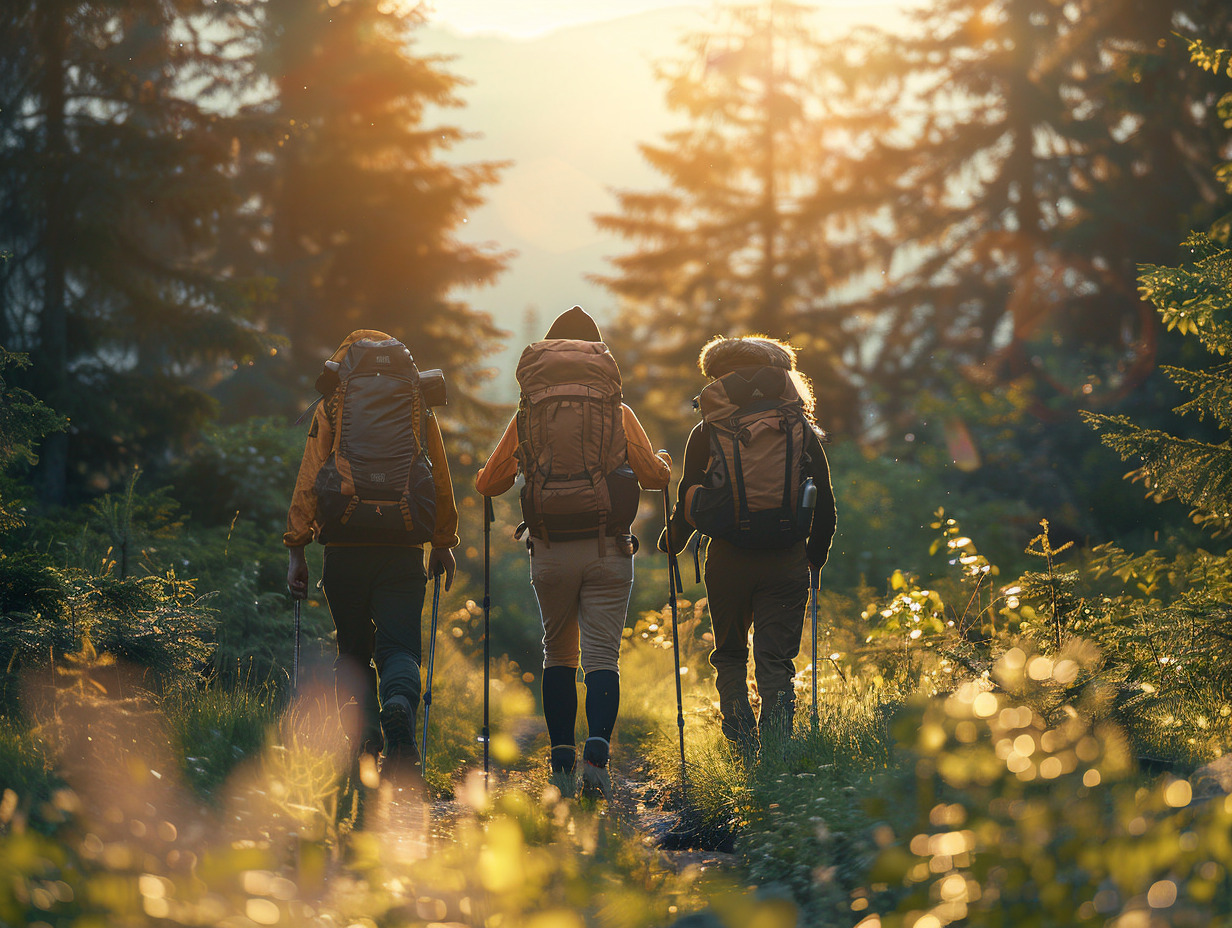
376, 486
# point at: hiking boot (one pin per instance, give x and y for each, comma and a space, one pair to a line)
401, 763
746, 748
596, 781
740, 728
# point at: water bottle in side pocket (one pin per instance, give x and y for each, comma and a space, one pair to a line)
808, 502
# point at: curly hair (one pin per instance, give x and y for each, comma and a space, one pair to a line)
722, 355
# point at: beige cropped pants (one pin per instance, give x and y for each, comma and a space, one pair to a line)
583, 601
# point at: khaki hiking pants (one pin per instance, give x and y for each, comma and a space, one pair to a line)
768, 592
583, 601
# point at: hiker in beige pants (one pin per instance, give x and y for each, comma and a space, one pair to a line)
571, 418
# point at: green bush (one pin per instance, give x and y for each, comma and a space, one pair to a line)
246, 469
154, 625
997, 813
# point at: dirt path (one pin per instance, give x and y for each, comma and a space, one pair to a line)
649, 808
641, 803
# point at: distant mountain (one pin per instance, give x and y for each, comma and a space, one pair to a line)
569, 110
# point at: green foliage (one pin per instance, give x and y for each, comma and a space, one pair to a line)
1157, 619
24, 420
1194, 298
110, 285
123, 842
1036, 818
1028, 709
154, 624
129, 519
1166, 622
1196, 472
798, 813
27, 767
364, 205
1208, 58
216, 728
246, 470
885, 508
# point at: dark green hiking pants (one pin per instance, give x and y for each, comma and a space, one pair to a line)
376, 596
768, 592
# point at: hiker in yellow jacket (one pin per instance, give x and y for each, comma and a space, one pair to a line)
374, 577
583, 454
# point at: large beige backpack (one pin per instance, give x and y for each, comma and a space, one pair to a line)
571, 442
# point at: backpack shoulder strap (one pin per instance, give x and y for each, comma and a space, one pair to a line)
524, 451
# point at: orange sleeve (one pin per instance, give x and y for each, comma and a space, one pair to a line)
499, 473
303, 511
653, 473
446, 533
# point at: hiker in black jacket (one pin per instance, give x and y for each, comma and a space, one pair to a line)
757, 566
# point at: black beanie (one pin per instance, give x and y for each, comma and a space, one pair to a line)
574, 323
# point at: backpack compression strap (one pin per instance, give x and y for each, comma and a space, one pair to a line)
419, 416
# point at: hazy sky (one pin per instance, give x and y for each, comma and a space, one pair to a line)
527, 18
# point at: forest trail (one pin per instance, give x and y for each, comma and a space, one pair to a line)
643, 807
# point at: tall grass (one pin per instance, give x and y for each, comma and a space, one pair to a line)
287, 841
213, 729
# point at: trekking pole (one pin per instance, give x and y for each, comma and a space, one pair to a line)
814, 589
488, 518
673, 572
295, 656
427, 700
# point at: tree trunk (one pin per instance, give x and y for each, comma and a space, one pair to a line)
51, 359
768, 314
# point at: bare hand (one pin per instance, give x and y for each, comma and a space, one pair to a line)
297, 574
441, 561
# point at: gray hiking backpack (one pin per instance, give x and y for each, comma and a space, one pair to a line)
376, 486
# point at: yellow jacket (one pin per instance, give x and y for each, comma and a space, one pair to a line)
302, 523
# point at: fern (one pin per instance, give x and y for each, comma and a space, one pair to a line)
1212, 392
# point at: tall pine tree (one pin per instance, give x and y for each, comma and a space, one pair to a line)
112, 176
1025, 174
1196, 299
363, 209
736, 243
